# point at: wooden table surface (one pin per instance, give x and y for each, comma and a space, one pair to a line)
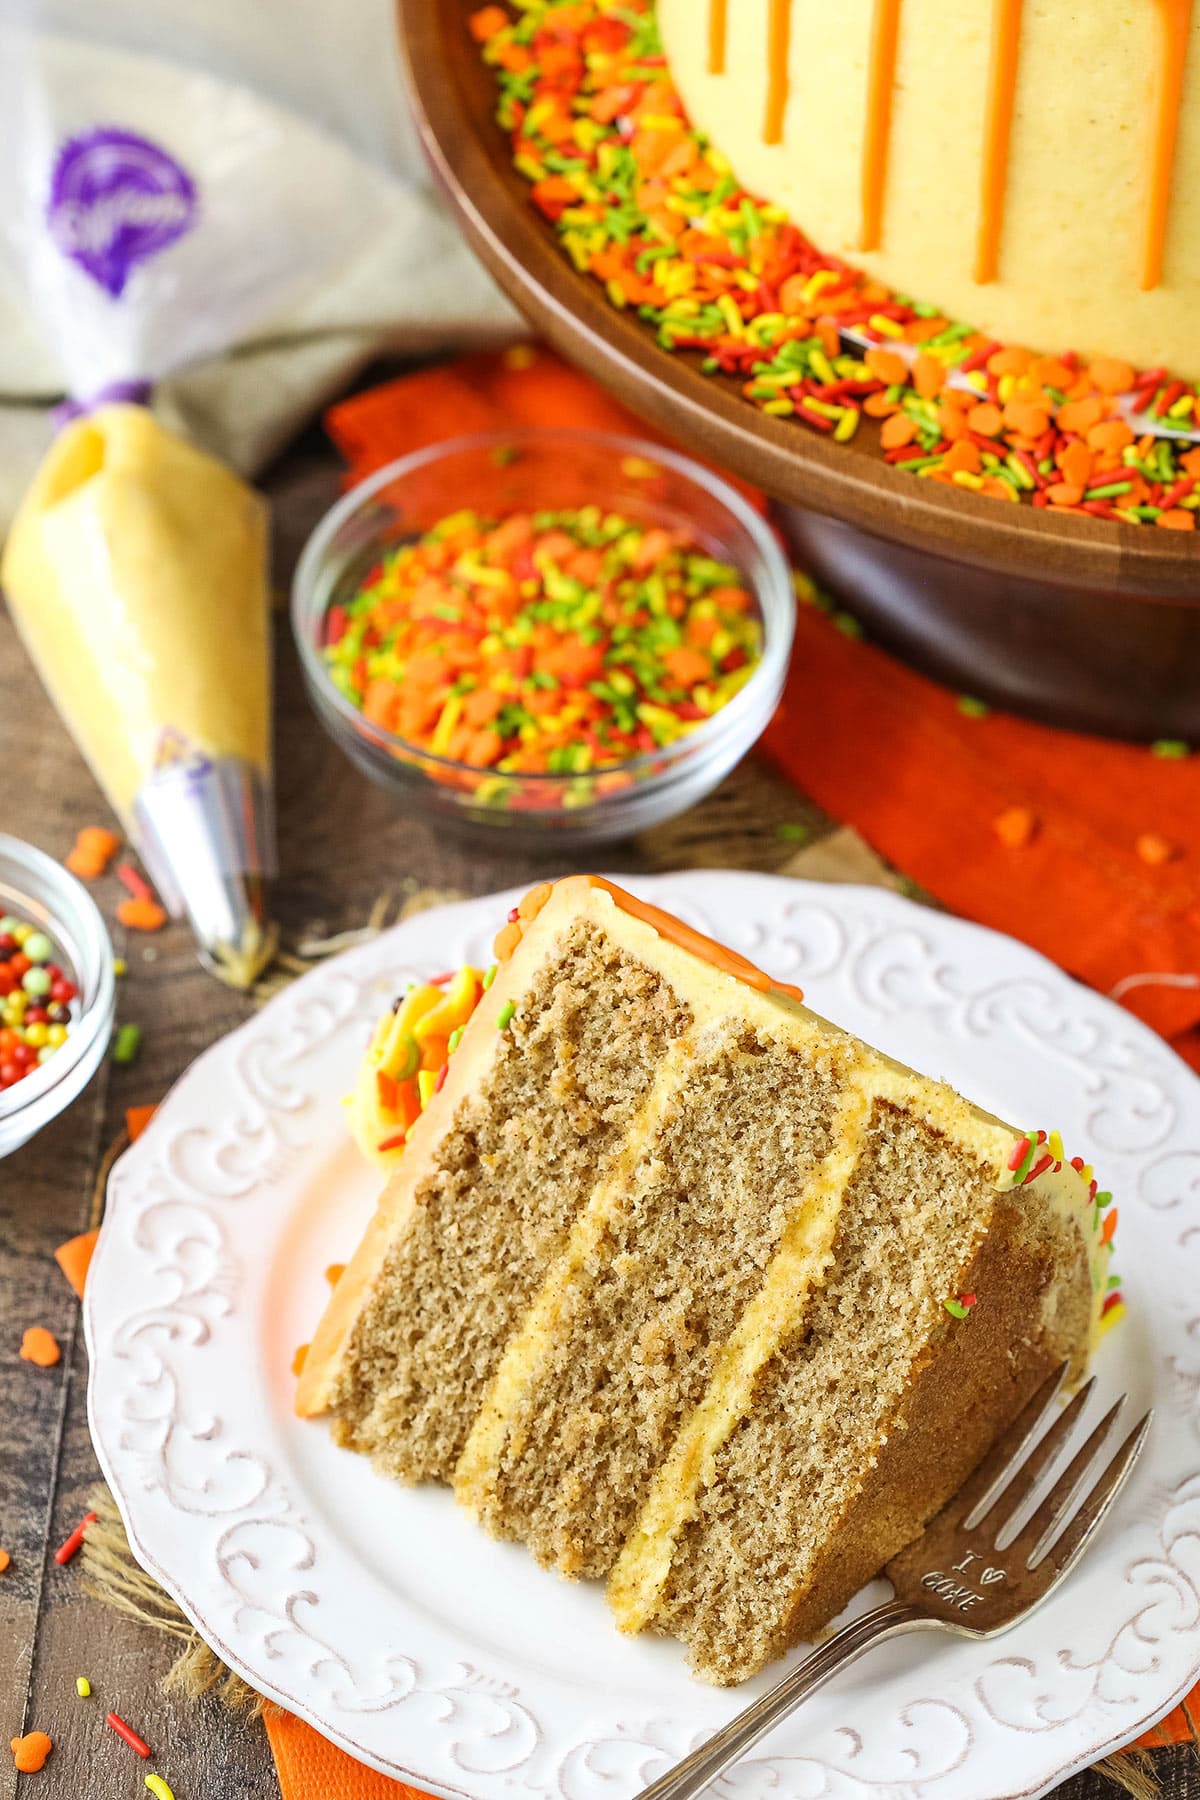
342, 844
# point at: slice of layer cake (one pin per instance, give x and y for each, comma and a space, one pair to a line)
681, 1285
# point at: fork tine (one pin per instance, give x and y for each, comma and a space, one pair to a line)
1038, 1461
1068, 1490
1071, 1544
1002, 1461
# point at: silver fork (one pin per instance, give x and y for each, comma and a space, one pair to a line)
977, 1569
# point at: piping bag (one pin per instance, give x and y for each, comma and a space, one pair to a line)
150, 217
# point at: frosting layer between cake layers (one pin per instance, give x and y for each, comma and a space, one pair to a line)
1032, 166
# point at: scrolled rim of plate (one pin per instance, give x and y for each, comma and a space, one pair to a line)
398, 1629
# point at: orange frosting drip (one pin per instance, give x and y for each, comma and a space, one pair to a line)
881, 80
718, 27
1174, 27
676, 932
779, 34
997, 130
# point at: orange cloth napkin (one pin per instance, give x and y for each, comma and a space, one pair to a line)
887, 751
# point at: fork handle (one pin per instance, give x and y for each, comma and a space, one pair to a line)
693, 1774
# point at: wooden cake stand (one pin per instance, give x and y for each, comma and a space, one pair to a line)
1075, 620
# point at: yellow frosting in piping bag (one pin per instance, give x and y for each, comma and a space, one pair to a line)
136, 574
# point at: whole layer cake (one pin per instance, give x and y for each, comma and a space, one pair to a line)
687, 1288
1033, 167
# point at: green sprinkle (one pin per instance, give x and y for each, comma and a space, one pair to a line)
1110, 490
454, 1040
1103, 1199
1114, 1281
956, 1309
505, 1015
129, 1039
1170, 749
971, 708
490, 975
847, 624
793, 833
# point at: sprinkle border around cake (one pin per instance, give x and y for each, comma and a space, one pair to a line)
642, 202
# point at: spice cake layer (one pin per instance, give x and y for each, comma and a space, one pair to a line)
680, 1284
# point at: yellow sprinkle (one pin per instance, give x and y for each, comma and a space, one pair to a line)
821, 368
779, 409
1054, 1144
1087, 1173
885, 326
1110, 1317
159, 1788
848, 426
120, 966
822, 279
727, 307
1004, 388
638, 468
964, 478
1182, 407
660, 122
83, 1686
426, 1082
443, 731
977, 380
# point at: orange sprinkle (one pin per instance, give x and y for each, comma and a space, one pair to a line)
1015, 827
986, 419
5, 1560
1110, 437
1111, 375
1076, 464
507, 939
486, 23
1064, 493
1012, 360
962, 455
40, 1346
1155, 850
886, 366
136, 1120
1027, 417
899, 429
1079, 415
141, 915
1177, 519
31, 1751
74, 1258
929, 375
334, 1273
299, 1359
93, 850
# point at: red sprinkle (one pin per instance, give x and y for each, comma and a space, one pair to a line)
440, 1083
1020, 1151
967, 1299
66, 1551
128, 1733
133, 883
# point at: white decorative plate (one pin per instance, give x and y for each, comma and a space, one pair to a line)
405, 1634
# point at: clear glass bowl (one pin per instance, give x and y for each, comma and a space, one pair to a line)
533, 469
36, 888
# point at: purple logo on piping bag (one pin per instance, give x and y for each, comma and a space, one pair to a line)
116, 199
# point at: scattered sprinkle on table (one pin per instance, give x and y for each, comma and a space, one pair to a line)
83, 1687
643, 202
127, 1043
72, 1545
93, 850
35, 1000
1155, 850
141, 912
136, 1120
74, 1258
30, 1752
1015, 827
127, 1732
553, 643
41, 1347
159, 1788
5, 1560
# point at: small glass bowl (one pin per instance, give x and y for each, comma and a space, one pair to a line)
36, 888
543, 470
